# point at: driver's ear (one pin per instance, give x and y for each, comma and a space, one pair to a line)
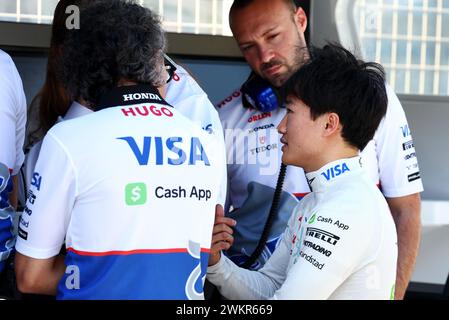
331, 124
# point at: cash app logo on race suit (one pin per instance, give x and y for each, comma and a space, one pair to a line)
136, 194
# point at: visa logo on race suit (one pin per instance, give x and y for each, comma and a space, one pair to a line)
335, 171
196, 152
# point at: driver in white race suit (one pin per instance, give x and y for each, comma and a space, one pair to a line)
131, 188
340, 242
270, 34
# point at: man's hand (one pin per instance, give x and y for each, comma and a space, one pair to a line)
222, 238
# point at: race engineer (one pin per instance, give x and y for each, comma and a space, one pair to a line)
12, 133
340, 242
132, 187
270, 34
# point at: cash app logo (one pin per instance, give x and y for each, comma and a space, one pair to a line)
312, 218
136, 194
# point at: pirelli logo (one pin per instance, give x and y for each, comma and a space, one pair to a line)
323, 235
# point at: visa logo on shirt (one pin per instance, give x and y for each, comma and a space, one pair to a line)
196, 152
335, 171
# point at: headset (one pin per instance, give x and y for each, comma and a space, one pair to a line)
259, 94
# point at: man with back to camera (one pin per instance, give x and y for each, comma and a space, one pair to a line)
111, 183
12, 134
270, 34
340, 241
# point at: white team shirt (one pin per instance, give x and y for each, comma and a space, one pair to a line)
255, 156
132, 191
12, 134
340, 243
182, 92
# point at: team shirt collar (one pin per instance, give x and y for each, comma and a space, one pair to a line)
130, 95
318, 180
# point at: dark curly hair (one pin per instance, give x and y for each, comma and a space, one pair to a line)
117, 39
334, 80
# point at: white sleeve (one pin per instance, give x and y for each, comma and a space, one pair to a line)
12, 133
51, 197
238, 283
7, 131
319, 267
12, 117
7, 162
398, 164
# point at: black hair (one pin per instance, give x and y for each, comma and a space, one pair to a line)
334, 80
117, 39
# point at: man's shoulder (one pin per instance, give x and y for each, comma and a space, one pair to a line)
8, 69
231, 109
395, 111
120, 119
182, 82
9, 75
233, 100
5, 59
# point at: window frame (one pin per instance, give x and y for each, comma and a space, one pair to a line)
22, 36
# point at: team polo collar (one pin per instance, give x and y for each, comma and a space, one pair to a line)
131, 95
318, 180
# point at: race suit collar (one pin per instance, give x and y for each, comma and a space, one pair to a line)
130, 95
318, 180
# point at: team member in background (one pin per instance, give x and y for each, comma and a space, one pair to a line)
270, 34
111, 183
12, 133
340, 242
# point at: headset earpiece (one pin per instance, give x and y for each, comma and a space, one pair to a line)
257, 93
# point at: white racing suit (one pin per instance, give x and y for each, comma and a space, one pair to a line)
340, 243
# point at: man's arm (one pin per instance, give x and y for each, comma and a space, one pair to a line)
237, 283
38, 276
406, 212
43, 225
